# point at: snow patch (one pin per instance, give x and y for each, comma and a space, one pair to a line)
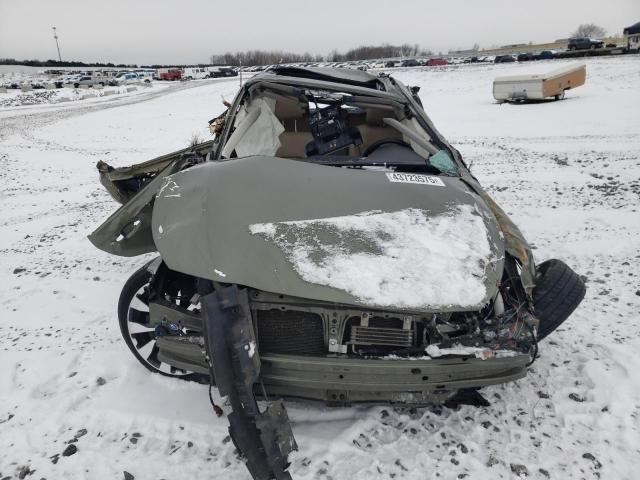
406, 258
434, 351
251, 349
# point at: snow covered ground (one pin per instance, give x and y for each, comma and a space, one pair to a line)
17, 98
569, 174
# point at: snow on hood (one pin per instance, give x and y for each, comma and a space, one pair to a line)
405, 259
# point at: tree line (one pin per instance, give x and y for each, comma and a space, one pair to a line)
270, 57
79, 64
57, 63
263, 57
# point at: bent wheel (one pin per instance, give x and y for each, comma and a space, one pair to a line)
138, 334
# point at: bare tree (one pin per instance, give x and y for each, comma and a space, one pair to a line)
589, 30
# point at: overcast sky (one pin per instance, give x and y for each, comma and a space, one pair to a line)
189, 31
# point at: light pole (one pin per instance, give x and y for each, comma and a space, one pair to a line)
55, 35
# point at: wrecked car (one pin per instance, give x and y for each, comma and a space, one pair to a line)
327, 244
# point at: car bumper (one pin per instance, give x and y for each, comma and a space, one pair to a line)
409, 381
341, 380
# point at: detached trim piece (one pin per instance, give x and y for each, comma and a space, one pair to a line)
263, 438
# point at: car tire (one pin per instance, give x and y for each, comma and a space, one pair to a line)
593, 47
560, 96
101, 84
76, 85
558, 292
572, 47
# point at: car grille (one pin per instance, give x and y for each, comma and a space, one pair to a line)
290, 332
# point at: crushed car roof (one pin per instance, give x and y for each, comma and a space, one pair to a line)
339, 75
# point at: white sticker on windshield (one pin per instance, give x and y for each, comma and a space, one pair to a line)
414, 178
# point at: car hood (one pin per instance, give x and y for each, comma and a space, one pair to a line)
353, 236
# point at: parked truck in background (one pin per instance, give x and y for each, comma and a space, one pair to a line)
632, 37
194, 73
169, 74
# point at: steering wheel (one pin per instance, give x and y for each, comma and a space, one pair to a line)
378, 143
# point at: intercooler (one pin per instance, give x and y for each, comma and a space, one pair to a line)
380, 332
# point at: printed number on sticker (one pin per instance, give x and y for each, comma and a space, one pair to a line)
416, 179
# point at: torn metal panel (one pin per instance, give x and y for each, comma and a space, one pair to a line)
127, 232
514, 242
263, 438
123, 183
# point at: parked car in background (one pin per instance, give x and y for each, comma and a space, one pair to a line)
60, 81
582, 43
145, 75
219, 72
526, 57
546, 55
412, 62
504, 59
90, 81
124, 78
390, 64
84, 80
433, 62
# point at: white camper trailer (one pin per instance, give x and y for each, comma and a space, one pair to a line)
539, 86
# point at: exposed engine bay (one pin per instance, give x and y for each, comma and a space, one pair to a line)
287, 326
